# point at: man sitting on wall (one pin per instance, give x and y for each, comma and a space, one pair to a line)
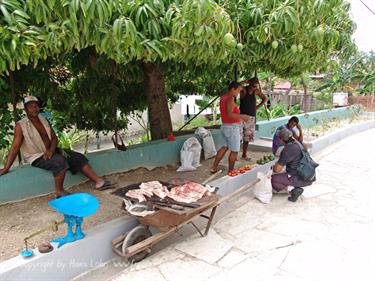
294, 127
290, 158
38, 143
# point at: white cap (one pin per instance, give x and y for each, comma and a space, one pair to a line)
28, 99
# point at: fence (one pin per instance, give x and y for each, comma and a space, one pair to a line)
368, 102
291, 99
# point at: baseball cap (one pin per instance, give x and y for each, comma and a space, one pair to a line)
28, 99
285, 134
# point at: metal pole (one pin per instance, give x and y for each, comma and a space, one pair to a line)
211, 102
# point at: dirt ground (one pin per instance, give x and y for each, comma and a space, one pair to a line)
19, 220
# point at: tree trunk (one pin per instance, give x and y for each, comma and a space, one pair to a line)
14, 104
158, 110
236, 72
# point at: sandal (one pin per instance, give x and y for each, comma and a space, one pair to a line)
247, 158
106, 185
213, 171
62, 194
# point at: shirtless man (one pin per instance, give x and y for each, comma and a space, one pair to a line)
38, 143
249, 106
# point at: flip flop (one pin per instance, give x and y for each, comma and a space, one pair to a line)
247, 158
106, 185
213, 171
62, 194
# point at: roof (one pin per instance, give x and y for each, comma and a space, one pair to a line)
317, 76
286, 86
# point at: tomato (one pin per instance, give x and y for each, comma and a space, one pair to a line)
232, 173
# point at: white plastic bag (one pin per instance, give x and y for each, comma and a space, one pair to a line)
190, 155
208, 142
263, 188
187, 158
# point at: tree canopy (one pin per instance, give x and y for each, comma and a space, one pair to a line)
91, 56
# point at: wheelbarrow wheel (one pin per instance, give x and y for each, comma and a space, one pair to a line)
135, 236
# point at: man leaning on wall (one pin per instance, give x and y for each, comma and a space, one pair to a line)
36, 139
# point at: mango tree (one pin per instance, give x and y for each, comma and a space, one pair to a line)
287, 37
151, 34
290, 37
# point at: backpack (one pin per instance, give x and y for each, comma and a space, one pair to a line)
307, 166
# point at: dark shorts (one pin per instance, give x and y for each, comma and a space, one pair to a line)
60, 162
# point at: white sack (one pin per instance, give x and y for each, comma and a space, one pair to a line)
190, 155
187, 158
208, 142
263, 188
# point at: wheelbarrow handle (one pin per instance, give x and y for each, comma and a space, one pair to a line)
211, 177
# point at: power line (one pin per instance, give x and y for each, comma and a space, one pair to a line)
367, 7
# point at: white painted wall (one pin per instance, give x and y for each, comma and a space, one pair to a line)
189, 101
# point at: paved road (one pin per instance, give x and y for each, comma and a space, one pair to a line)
328, 235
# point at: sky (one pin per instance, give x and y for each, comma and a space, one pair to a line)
364, 36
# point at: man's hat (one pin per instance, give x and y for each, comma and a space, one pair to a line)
285, 134
28, 99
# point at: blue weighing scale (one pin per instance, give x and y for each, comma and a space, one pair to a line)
75, 208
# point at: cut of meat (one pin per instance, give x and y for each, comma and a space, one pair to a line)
154, 187
161, 192
148, 191
153, 184
188, 192
136, 194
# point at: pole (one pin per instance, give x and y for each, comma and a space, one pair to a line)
211, 102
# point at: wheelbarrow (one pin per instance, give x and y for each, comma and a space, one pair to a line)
136, 244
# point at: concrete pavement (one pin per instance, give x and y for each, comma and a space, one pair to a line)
328, 235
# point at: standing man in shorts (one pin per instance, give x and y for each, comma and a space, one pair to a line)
249, 107
231, 127
38, 143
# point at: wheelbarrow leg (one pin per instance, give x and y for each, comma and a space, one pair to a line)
210, 220
197, 229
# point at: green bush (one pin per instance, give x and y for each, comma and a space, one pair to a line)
70, 139
200, 121
278, 110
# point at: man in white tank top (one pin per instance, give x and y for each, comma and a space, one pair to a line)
34, 136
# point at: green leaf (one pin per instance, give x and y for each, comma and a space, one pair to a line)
6, 14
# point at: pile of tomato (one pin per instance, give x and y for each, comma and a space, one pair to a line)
241, 170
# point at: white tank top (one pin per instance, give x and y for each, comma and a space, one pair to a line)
33, 146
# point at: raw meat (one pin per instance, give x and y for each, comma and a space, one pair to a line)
161, 192
136, 194
188, 192
138, 209
154, 187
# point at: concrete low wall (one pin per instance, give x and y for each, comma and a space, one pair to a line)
266, 129
27, 181
81, 256
70, 260
334, 137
